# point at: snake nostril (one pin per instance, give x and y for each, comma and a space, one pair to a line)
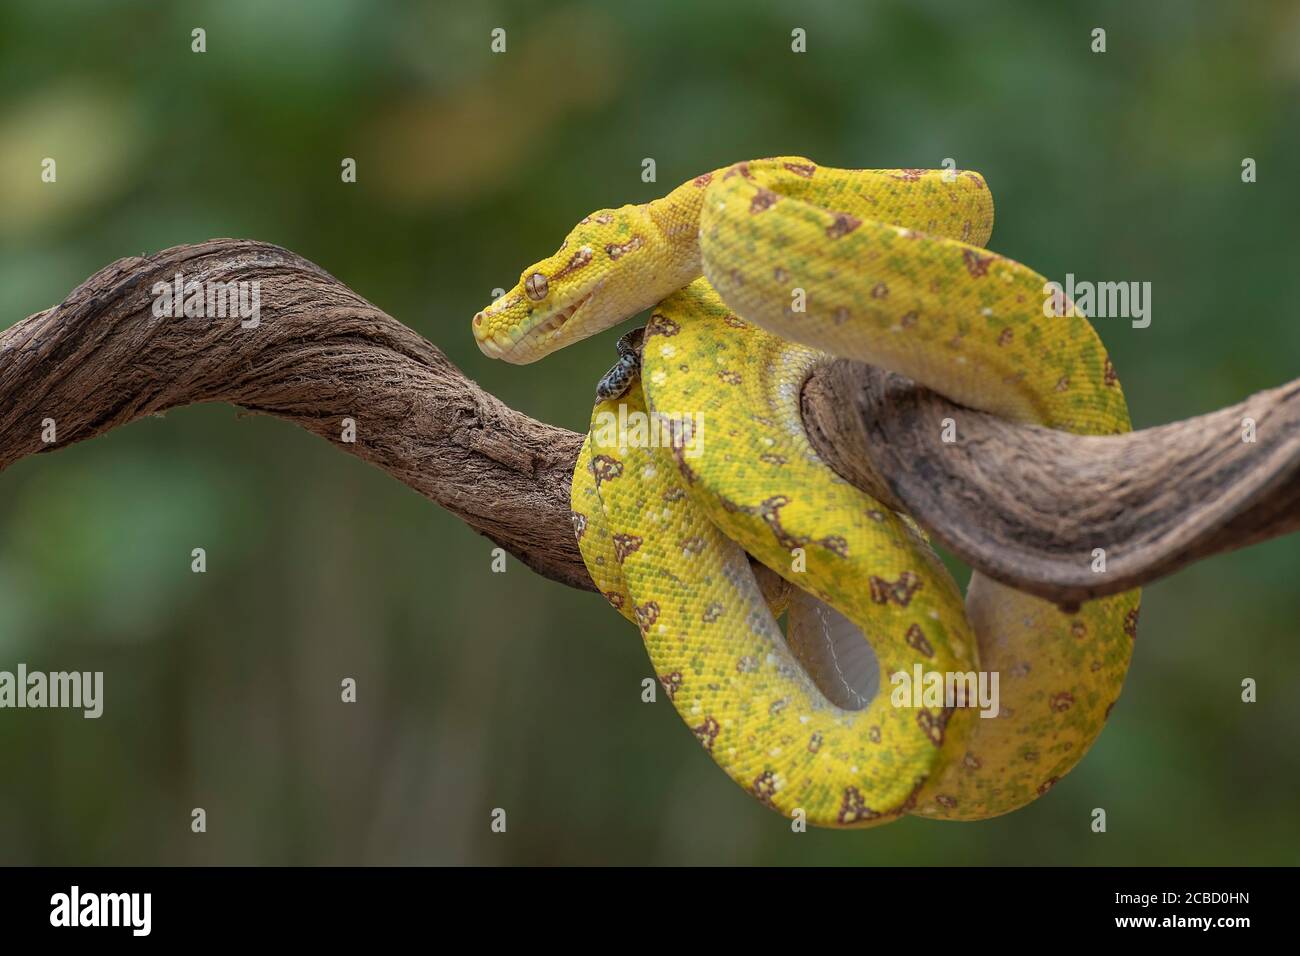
478, 318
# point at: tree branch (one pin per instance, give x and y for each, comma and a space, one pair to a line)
1025, 505
320, 354
1028, 505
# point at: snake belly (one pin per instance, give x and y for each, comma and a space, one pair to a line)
799, 268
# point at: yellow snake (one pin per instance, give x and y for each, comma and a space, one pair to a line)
756, 273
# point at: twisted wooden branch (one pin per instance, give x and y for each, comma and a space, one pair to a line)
1025, 505
1030, 506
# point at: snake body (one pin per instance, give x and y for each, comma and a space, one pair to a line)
756, 273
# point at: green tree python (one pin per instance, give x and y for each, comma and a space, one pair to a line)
756, 273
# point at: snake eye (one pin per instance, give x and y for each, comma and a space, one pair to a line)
536, 286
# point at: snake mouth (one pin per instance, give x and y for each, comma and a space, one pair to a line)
552, 326
541, 339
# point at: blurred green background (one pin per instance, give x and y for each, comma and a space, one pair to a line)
479, 690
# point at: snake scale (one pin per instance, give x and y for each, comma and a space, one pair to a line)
755, 273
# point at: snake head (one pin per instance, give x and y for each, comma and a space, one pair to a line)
614, 264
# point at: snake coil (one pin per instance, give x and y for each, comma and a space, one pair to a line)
874, 700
